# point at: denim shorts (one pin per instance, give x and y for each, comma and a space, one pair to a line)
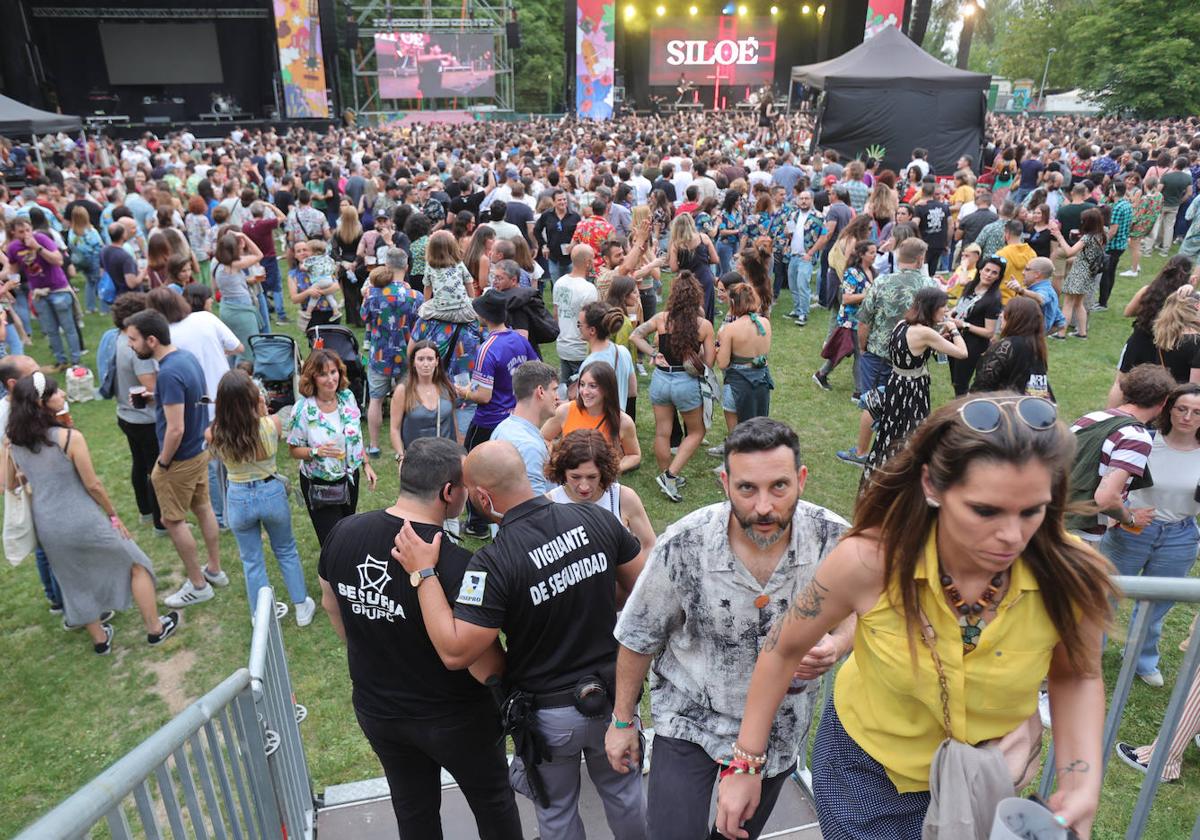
728, 400
873, 372
675, 388
380, 385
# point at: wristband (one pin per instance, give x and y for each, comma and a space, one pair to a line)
113, 518
750, 758
738, 767
165, 466
623, 724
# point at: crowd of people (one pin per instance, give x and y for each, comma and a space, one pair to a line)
664, 254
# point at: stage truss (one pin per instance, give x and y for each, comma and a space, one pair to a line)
381, 17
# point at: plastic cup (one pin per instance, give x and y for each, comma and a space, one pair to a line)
1024, 819
137, 396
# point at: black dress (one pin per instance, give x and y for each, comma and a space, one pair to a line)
1012, 364
350, 281
698, 261
976, 310
1040, 241
905, 400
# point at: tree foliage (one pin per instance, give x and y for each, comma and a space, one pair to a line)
539, 63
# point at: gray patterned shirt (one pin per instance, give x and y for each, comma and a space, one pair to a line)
693, 610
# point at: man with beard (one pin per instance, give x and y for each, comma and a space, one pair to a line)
714, 584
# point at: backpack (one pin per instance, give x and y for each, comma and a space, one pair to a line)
1085, 471
543, 326
106, 362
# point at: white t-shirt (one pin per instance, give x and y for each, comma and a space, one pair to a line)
1176, 474
571, 294
206, 337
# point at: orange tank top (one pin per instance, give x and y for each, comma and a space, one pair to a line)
578, 418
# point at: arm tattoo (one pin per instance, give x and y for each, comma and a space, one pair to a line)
806, 605
1076, 766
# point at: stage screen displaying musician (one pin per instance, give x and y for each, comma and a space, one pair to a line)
733, 50
436, 65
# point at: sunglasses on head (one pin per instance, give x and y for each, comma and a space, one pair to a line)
983, 414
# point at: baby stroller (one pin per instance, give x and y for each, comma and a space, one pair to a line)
277, 367
342, 341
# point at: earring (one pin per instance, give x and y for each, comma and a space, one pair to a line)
932, 502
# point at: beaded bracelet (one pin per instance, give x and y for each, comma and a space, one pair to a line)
748, 757
624, 724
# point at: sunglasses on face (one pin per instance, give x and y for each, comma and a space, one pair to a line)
984, 414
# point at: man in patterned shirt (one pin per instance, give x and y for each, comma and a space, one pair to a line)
805, 228
595, 230
389, 312
780, 238
714, 585
1118, 239
888, 298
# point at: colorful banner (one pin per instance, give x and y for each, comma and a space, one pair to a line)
595, 55
301, 67
882, 14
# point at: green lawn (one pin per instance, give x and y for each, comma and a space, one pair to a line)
67, 713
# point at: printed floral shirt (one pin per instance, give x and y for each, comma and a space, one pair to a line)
693, 610
854, 281
389, 315
417, 256
594, 231
888, 298
460, 358
730, 224
310, 427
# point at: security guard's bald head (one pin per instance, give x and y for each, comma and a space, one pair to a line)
496, 466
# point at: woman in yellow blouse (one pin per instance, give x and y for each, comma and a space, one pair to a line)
964, 532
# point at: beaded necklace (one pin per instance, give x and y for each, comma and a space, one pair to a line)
970, 616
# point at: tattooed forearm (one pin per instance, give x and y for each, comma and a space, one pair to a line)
1076, 766
806, 605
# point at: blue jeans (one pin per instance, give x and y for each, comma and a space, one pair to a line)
800, 273
216, 489
1162, 549
726, 248
250, 507
273, 284
21, 307
57, 312
13, 346
49, 581
91, 295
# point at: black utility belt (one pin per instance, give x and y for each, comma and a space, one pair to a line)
671, 368
556, 700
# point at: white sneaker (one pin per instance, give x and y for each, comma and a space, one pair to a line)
1128, 273
304, 612
215, 578
1153, 679
1044, 708
188, 595
641, 369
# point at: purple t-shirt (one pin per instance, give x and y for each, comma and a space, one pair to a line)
495, 362
39, 272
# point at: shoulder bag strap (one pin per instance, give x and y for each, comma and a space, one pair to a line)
930, 638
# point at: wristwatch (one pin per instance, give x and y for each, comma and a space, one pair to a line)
416, 577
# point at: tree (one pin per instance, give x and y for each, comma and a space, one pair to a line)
1027, 32
539, 65
919, 22
1141, 56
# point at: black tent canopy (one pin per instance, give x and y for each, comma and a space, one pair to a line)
20, 120
889, 92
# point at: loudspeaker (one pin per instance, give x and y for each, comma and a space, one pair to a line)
512, 31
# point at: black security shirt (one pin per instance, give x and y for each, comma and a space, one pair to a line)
394, 667
549, 582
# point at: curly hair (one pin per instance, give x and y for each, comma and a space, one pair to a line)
577, 449
314, 364
684, 306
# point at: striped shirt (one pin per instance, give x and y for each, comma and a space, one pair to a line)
1127, 448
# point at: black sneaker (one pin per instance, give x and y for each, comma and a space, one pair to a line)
56, 609
476, 532
170, 623
1128, 754
822, 380
104, 618
105, 648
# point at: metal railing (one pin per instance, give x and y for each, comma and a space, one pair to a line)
233, 757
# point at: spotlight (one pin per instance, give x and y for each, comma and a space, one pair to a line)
727, 9
742, 10
630, 11
693, 11
774, 10
806, 9
821, 11
660, 11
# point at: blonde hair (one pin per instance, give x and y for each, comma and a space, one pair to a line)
683, 228
349, 228
442, 250
316, 246
1178, 317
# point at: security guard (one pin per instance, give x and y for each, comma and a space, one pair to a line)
549, 581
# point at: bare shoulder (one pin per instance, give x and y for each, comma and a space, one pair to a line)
857, 558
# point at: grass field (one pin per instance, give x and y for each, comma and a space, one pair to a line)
67, 713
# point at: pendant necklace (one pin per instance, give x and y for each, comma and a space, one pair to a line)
970, 616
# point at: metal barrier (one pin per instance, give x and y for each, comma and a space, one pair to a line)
234, 757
